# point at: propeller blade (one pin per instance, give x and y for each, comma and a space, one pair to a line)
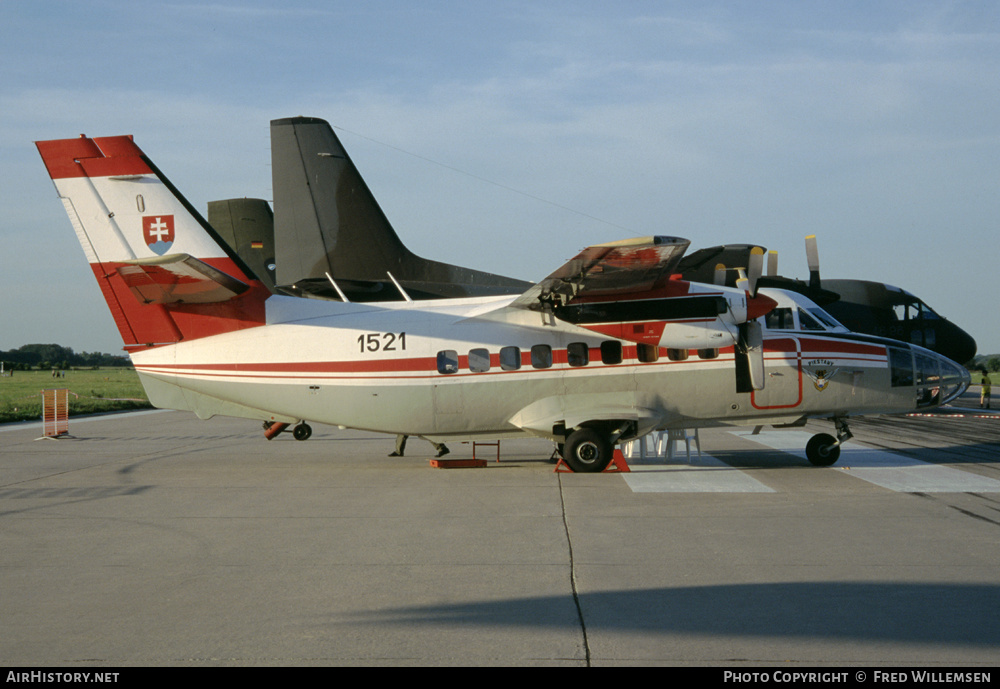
742, 282
812, 258
749, 352
755, 354
756, 268
772, 264
720, 274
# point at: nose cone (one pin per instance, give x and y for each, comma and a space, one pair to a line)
955, 343
954, 380
939, 379
759, 305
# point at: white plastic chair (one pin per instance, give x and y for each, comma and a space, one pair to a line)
677, 435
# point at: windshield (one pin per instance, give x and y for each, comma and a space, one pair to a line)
913, 310
826, 319
812, 319
807, 322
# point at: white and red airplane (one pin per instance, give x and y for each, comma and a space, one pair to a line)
608, 348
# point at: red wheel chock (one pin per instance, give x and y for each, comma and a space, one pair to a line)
617, 465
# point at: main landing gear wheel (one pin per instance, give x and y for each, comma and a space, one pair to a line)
822, 450
302, 431
588, 451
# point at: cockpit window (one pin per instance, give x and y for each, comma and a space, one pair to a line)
926, 311
807, 322
807, 317
826, 319
779, 319
913, 310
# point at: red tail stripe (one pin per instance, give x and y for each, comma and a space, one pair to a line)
83, 157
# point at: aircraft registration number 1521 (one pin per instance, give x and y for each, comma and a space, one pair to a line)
382, 342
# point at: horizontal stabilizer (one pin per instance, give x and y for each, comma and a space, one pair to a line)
179, 278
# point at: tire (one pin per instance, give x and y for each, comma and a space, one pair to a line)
819, 451
588, 451
302, 431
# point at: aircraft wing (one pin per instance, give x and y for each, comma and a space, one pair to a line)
179, 278
630, 266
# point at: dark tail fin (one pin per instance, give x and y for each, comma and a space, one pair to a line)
247, 225
327, 221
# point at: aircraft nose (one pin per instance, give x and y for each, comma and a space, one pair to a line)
939, 379
759, 305
958, 345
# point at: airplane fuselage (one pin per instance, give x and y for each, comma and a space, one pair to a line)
465, 367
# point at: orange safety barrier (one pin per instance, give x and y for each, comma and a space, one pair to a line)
55, 412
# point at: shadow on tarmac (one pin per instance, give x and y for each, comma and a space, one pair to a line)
919, 613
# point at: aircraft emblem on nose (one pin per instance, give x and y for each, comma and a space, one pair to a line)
820, 372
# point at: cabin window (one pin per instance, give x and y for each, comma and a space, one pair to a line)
927, 371
541, 356
924, 338
447, 361
510, 358
647, 353
900, 367
677, 354
611, 352
578, 354
479, 360
708, 353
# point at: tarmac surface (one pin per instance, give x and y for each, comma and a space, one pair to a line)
158, 539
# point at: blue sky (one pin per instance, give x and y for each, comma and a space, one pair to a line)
871, 124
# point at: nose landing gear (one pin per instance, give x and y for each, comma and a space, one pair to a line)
823, 449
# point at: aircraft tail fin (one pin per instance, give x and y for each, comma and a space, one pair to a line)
247, 226
326, 220
164, 272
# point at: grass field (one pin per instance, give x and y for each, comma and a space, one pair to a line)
91, 392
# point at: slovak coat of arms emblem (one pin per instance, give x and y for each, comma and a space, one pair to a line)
158, 232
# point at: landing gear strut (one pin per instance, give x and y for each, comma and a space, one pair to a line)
823, 449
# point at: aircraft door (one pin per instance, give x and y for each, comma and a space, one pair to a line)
447, 395
782, 375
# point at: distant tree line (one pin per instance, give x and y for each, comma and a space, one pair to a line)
47, 356
991, 362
